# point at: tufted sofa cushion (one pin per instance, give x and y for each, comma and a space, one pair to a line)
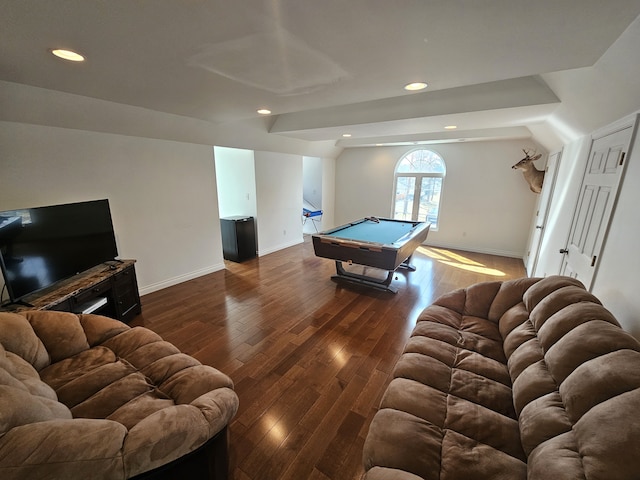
576, 383
85, 396
531, 378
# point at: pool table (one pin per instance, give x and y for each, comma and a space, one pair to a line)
381, 243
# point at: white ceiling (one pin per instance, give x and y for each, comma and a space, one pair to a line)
325, 67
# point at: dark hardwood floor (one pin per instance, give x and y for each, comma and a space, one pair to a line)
310, 357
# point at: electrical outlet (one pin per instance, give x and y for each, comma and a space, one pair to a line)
284, 232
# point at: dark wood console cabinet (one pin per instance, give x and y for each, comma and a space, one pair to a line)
109, 289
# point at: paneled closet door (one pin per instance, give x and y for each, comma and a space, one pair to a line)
596, 203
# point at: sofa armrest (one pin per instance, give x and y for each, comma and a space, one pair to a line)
79, 448
218, 407
175, 431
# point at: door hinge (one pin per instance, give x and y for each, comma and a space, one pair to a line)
593, 260
622, 158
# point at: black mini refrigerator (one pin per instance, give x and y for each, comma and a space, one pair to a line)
238, 238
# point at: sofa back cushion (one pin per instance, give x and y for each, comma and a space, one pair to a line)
576, 383
17, 336
60, 332
24, 398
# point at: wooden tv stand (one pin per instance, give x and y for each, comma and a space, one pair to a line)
107, 289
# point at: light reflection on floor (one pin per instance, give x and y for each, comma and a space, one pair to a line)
459, 261
275, 430
338, 354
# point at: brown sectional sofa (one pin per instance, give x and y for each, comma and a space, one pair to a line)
85, 396
531, 378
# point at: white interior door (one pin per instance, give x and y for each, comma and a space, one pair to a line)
542, 212
596, 203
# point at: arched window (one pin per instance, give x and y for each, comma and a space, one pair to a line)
418, 179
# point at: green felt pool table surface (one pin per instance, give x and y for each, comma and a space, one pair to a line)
384, 231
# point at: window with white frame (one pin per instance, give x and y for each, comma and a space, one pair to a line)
418, 187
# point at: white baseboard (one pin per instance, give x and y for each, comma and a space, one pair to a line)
262, 253
180, 278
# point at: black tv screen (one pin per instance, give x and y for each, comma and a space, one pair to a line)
40, 246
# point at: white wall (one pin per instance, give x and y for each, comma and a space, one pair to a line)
279, 199
236, 182
596, 96
162, 193
485, 207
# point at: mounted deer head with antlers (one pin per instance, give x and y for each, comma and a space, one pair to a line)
532, 175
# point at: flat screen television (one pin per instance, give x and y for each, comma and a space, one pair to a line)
43, 245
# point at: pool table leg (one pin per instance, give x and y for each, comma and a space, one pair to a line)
385, 284
407, 264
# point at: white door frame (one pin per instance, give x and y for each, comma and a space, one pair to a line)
542, 211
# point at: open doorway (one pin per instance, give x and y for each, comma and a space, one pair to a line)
311, 195
236, 181
237, 205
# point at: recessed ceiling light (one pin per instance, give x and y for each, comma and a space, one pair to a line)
346, 135
450, 127
68, 55
412, 87
264, 111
